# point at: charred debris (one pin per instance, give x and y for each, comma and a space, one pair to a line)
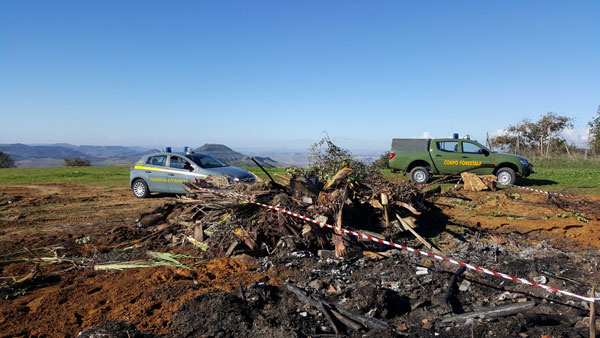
344, 285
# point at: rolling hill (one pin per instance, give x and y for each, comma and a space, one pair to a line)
52, 155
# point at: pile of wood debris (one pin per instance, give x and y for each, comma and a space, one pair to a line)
225, 226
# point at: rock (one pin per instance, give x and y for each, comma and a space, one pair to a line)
307, 200
474, 182
244, 258
464, 286
316, 284
421, 271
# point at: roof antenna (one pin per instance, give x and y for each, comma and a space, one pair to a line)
161, 146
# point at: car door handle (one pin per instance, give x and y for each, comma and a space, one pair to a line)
465, 157
171, 174
438, 155
148, 172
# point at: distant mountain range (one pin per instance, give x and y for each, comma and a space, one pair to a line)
53, 155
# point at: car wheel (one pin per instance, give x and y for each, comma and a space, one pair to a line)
419, 175
506, 176
140, 189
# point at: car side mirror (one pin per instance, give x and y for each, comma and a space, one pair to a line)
486, 152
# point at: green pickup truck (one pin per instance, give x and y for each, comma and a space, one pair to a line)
425, 157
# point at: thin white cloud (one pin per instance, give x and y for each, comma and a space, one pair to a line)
579, 136
426, 134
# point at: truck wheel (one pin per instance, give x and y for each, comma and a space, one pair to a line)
506, 176
140, 188
419, 175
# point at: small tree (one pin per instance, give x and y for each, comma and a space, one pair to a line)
594, 134
528, 136
326, 159
77, 162
6, 161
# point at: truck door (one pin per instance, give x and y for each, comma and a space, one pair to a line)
445, 156
180, 171
473, 155
155, 173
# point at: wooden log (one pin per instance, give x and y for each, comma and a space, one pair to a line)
499, 311
384, 202
421, 239
286, 179
369, 322
407, 206
315, 302
346, 321
198, 232
327, 314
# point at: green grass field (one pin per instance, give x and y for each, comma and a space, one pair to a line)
580, 176
108, 177
576, 177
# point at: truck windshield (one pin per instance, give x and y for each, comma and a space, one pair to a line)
206, 161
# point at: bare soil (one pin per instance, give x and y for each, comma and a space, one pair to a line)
230, 297
536, 215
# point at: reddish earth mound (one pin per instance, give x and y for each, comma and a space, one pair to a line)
569, 222
146, 297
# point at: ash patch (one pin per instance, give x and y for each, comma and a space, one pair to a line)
262, 311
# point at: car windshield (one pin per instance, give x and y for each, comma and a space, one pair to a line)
206, 161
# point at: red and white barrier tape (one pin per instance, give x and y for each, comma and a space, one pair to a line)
531, 189
399, 246
456, 185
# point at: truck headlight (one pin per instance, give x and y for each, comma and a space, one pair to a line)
523, 161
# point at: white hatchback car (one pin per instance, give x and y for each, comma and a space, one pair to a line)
166, 172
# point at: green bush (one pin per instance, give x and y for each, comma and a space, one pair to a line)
77, 162
326, 159
383, 162
6, 161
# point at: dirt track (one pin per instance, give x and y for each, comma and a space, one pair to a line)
64, 303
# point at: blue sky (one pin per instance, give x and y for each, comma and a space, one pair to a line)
277, 74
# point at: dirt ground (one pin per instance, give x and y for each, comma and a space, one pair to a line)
570, 222
520, 233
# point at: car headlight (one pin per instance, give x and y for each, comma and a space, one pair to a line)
235, 179
523, 161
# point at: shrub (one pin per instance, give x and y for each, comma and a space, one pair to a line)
383, 162
77, 162
326, 159
6, 161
